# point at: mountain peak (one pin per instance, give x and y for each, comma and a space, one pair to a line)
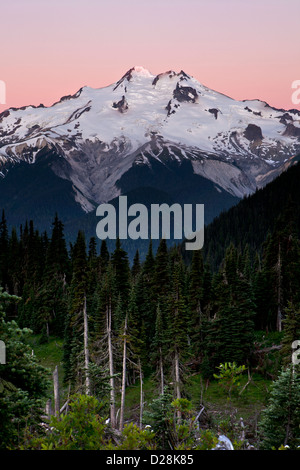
136, 71
140, 70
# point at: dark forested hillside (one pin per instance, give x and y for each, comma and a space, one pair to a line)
252, 219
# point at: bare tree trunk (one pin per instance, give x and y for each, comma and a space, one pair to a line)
141, 394
111, 367
56, 392
86, 349
161, 372
123, 375
279, 299
177, 379
48, 409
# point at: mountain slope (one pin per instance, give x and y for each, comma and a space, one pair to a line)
166, 132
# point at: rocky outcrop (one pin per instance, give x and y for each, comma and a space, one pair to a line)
253, 133
185, 94
214, 111
170, 73
292, 131
170, 108
121, 105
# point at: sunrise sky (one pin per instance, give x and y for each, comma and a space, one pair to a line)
245, 49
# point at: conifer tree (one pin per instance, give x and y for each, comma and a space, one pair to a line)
159, 349
53, 290
24, 383
73, 345
136, 267
162, 272
146, 297
280, 422
105, 334
14, 262
121, 267
177, 328
230, 334
103, 257
195, 300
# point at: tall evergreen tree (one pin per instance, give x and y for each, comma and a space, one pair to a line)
73, 340
159, 350
105, 334
195, 300
136, 267
146, 297
121, 267
230, 334
53, 290
177, 328
280, 422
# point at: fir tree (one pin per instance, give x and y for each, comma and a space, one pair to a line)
136, 267
53, 290
73, 343
177, 328
146, 297
195, 300
105, 334
159, 349
121, 267
280, 422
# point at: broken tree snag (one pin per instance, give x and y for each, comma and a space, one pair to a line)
123, 375
86, 349
56, 391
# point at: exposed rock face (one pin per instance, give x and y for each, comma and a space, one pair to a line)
170, 74
284, 118
127, 76
214, 111
292, 131
170, 107
185, 94
253, 133
121, 105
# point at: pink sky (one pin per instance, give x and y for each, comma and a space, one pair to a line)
245, 49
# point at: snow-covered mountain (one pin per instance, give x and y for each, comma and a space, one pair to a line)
112, 140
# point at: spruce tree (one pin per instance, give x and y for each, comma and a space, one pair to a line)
230, 333
73, 340
104, 337
121, 267
146, 297
136, 267
195, 300
280, 422
177, 325
53, 289
159, 349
